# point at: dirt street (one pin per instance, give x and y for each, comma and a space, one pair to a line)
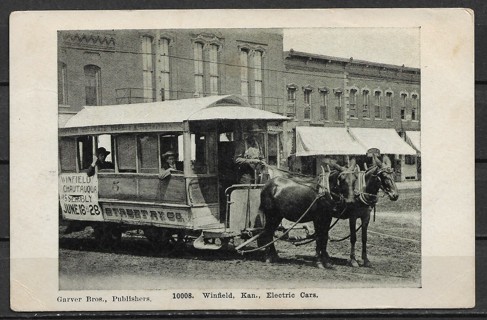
393, 245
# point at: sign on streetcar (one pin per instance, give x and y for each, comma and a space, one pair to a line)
79, 197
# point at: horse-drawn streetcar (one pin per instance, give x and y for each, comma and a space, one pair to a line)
177, 170
198, 197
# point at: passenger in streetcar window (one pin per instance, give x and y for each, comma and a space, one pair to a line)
169, 164
249, 159
99, 161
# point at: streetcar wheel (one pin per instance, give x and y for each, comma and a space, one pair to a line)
160, 239
108, 237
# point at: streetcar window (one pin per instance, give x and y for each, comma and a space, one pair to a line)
105, 141
172, 142
67, 154
126, 153
85, 152
148, 151
198, 153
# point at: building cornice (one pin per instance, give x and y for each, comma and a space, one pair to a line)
87, 40
349, 62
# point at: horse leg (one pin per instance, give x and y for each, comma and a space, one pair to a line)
267, 237
322, 226
353, 239
365, 225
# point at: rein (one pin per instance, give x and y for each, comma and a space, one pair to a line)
319, 196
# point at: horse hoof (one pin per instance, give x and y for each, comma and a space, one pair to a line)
270, 259
329, 266
367, 264
353, 263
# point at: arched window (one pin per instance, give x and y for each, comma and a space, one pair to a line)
148, 69
291, 99
404, 96
214, 76
62, 94
244, 73
198, 68
377, 103
352, 102
365, 104
92, 85
164, 69
414, 106
324, 104
258, 79
388, 104
307, 102
338, 104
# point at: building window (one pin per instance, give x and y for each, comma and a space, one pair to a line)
377, 98
62, 93
353, 103
198, 68
388, 105
148, 69
214, 70
92, 85
403, 105
291, 100
244, 73
365, 104
324, 105
414, 107
410, 159
307, 105
258, 79
338, 106
164, 69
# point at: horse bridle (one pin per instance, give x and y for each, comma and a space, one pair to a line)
387, 171
335, 195
362, 195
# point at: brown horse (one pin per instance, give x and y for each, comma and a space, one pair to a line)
290, 197
378, 177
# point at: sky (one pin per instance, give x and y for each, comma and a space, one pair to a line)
385, 45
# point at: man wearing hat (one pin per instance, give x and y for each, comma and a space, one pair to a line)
169, 160
99, 161
249, 159
169, 164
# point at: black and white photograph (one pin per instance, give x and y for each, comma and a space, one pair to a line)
227, 166
180, 149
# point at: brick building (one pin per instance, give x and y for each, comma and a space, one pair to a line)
132, 66
326, 91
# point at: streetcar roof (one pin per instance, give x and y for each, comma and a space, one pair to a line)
170, 114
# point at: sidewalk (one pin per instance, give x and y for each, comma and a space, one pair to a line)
408, 185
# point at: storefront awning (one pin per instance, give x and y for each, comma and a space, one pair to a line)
414, 139
311, 141
386, 140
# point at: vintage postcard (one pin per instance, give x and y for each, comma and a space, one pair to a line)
242, 159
